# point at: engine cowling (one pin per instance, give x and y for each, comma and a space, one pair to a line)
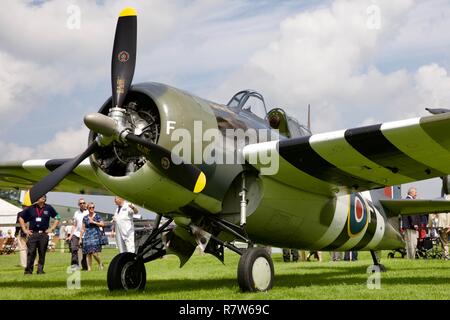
152, 111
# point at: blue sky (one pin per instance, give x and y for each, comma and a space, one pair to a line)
293, 52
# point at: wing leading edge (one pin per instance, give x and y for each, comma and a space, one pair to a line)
394, 208
23, 175
363, 158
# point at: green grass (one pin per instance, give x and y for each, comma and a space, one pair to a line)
204, 277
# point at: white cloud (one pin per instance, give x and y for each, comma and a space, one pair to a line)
66, 144
433, 86
328, 57
323, 55
43, 61
23, 83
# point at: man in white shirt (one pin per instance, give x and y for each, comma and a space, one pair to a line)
74, 238
123, 226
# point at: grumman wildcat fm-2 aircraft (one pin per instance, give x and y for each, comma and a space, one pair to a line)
270, 182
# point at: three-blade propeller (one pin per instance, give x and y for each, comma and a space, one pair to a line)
123, 63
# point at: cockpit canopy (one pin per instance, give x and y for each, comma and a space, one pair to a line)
249, 102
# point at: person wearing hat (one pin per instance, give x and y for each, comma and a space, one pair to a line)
38, 216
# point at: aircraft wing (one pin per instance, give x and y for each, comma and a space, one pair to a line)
361, 158
394, 208
24, 175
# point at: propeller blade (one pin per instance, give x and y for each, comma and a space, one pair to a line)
437, 110
186, 175
56, 176
123, 59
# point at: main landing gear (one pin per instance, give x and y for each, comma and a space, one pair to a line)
127, 270
255, 271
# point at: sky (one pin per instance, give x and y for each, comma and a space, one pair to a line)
355, 62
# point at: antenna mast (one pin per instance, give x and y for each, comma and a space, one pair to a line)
309, 117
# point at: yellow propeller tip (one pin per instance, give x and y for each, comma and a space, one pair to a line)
201, 183
27, 199
128, 11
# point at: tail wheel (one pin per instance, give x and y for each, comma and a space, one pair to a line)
126, 273
255, 270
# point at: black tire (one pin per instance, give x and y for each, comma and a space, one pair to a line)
390, 255
125, 272
255, 270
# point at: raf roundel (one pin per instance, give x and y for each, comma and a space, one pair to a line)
357, 215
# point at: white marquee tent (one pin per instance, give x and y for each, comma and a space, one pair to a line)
8, 215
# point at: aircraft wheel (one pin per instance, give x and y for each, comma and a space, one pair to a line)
126, 273
255, 270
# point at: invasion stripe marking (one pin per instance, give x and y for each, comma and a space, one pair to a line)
337, 225
371, 143
287, 173
346, 158
338, 242
38, 164
399, 133
379, 232
301, 155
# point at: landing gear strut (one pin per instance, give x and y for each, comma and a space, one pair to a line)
376, 262
127, 270
255, 270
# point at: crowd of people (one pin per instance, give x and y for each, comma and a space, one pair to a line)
416, 228
84, 234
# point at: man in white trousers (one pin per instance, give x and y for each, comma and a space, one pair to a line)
123, 226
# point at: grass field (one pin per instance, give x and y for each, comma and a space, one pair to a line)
205, 278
